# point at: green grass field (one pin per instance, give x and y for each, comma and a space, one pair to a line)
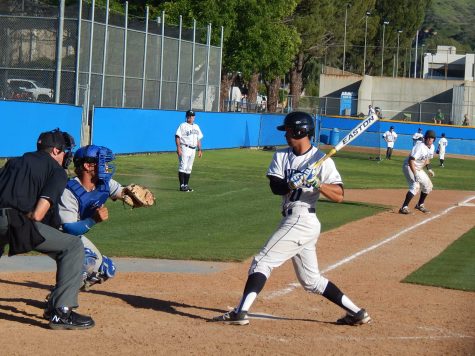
454, 268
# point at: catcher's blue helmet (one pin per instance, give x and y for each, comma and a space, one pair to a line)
96, 154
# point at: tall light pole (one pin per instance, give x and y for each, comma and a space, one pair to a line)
397, 52
382, 48
344, 38
365, 35
421, 68
415, 55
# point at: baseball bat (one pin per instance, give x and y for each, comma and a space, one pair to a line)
358, 130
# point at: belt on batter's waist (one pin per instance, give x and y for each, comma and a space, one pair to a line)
290, 211
192, 147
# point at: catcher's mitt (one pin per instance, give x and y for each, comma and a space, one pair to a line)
138, 196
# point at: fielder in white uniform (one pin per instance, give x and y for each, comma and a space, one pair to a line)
390, 137
82, 206
188, 138
441, 147
417, 137
297, 235
416, 177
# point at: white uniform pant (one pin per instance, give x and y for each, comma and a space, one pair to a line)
88, 244
425, 183
185, 162
296, 239
441, 154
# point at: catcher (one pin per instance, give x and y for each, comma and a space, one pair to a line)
82, 205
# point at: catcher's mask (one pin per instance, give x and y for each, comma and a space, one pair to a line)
300, 124
59, 139
96, 154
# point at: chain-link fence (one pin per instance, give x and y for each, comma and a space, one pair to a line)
449, 113
117, 60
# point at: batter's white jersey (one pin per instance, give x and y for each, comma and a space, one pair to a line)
285, 163
299, 229
390, 138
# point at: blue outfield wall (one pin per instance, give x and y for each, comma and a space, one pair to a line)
22, 122
135, 130
461, 139
128, 131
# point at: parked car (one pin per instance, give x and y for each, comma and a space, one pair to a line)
11, 92
40, 91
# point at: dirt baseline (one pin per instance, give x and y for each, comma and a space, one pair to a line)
165, 313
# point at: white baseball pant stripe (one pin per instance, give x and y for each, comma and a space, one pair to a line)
185, 163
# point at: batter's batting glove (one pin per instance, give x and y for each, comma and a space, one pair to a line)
431, 173
416, 177
311, 177
297, 180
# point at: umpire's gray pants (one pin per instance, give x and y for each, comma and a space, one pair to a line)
68, 252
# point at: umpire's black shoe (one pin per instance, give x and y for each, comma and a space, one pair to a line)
66, 319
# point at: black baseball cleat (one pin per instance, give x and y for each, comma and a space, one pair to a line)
422, 208
232, 318
66, 319
360, 318
188, 188
183, 188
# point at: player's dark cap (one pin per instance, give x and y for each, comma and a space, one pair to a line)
442, 135
391, 128
430, 134
190, 113
419, 129
55, 138
300, 123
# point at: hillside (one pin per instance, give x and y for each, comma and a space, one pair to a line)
453, 21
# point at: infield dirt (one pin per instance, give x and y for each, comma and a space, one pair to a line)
168, 313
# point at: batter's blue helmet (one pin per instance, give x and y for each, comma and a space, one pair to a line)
300, 123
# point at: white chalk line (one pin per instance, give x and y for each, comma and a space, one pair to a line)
292, 286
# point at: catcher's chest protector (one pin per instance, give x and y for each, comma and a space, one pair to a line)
88, 201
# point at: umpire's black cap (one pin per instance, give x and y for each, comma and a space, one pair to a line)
55, 138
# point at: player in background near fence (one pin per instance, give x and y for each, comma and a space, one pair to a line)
441, 147
413, 169
82, 206
418, 136
466, 121
390, 137
30, 187
371, 110
300, 186
439, 117
188, 138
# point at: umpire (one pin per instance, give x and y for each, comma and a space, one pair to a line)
30, 187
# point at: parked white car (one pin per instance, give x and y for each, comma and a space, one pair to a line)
39, 91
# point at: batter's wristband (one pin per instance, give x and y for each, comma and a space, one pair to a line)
428, 166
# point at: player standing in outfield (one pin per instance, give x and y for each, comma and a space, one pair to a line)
390, 137
413, 169
82, 206
297, 235
443, 143
30, 187
418, 136
187, 138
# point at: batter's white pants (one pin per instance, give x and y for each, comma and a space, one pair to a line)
425, 183
185, 162
296, 239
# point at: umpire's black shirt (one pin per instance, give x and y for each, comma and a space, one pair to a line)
23, 181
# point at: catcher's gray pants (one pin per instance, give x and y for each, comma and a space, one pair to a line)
68, 252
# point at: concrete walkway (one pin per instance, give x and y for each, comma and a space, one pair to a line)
46, 264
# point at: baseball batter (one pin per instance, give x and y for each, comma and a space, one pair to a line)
390, 137
82, 206
188, 138
416, 177
297, 235
441, 147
